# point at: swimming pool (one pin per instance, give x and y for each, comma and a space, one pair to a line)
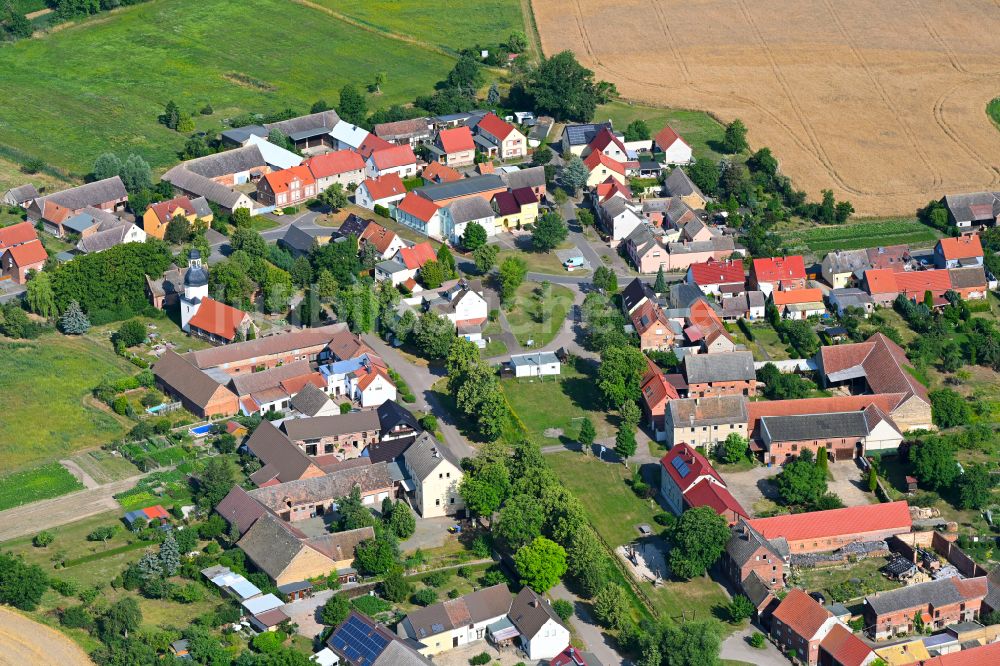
201, 431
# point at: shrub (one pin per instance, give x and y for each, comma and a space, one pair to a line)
480, 659
429, 422
437, 579
120, 405
563, 608
345, 407
757, 640
481, 546
267, 642
467, 573
425, 597
370, 605
64, 587
76, 617
43, 539
454, 594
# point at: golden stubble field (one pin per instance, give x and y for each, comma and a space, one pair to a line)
883, 102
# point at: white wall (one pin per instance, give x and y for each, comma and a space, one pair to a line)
550, 640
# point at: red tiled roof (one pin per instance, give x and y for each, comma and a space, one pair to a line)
882, 360
456, 140
801, 613
845, 647
979, 656
647, 315
776, 269
605, 138
15, 234
383, 187
280, 181
217, 318
337, 162
797, 296
367, 376
718, 272
696, 463
962, 247
378, 236
485, 167
609, 187
418, 207
395, 156
492, 123
418, 255
833, 405
440, 173
666, 137
164, 209
524, 196
656, 389
598, 158
27, 254
156, 512
293, 385
881, 281
371, 144
917, 282
706, 493
836, 522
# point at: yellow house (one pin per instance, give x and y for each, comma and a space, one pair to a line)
515, 207
601, 167
456, 622
158, 216
436, 474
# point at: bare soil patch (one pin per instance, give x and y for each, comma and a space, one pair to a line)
882, 103
24, 641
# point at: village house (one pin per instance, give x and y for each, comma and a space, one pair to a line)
53, 209
575, 138
850, 297
344, 436
454, 147
309, 497
500, 138
308, 131
841, 268
675, 150
656, 393
272, 389
679, 184
721, 278
462, 302
938, 603
533, 177
612, 146
619, 220
363, 379
778, 274
386, 243
750, 555
21, 195
309, 344
975, 209
435, 474
199, 393
748, 305
885, 285
844, 435
301, 239
958, 252
536, 364
824, 531
435, 173
381, 647
799, 303
705, 422
312, 400
340, 166
799, 624
412, 132
419, 214
484, 186
456, 622
384, 192
655, 331
516, 208
542, 633
287, 187
18, 261
346, 136
970, 283
406, 264
601, 167
458, 215
107, 235
206, 317
281, 461
159, 215
726, 373
688, 480
608, 189
399, 160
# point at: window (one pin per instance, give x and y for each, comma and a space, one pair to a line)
437, 502
451, 500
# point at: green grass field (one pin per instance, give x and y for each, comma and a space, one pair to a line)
524, 317
699, 129
860, 234
43, 385
37, 483
77, 95
993, 111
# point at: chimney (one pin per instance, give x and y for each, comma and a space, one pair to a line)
435, 453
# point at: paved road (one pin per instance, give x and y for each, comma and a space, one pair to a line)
736, 647
587, 628
38, 516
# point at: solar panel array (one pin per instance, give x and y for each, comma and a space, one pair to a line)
360, 643
681, 467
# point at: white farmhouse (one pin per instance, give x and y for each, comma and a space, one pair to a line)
543, 635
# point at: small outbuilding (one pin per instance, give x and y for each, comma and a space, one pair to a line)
537, 364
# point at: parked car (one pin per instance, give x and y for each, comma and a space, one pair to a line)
573, 262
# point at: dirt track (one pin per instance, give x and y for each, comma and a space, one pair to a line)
24, 641
882, 102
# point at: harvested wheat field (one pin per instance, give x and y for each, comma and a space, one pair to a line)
883, 102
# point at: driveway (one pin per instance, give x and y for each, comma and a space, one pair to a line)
430, 533
849, 483
587, 628
304, 612
752, 486
736, 648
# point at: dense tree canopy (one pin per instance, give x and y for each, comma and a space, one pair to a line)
698, 541
562, 87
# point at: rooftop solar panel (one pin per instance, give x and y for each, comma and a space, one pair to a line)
681, 467
360, 643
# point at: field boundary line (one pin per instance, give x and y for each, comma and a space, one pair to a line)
531, 29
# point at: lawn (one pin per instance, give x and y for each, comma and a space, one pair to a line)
12, 176
822, 239
538, 318
540, 262
700, 130
104, 467
44, 385
37, 483
562, 403
75, 84
468, 23
766, 345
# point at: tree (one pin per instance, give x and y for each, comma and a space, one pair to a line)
513, 270
698, 541
587, 561
801, 482
975, 487
625, 444
136, 174
466, 76
605, 278
620, 374
585, 218
563, 608
740, 608
73, 321
611, 607
433, 334
39, 296
353, 513
178, 231
170, 556
43, 539
693, 644
447, 261
377, 556
107, 165
485, 257
21, 585
122, 617
827, 208
474, 237
394, 587
763, 161
735, 448
934, 462
587, 434
872, 479
432, 274
637, 130
171, 115
244, 239
735, 139
301, 272
335, 610
949, 408
334, 197
843, 211
705, 174
517, 42
401, 520
520, 521
575, 174
549, 231
485, 490
541, 155
319, 106
381, 77
131, 333
18, 25
540, 564
493, 95
280, 139
561, 87
326, 285
352, 108
660, 285
216, 481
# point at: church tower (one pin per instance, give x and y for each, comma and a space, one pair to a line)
195, 289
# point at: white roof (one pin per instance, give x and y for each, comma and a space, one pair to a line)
538, 358
325, 657
259, 605
350, 134
244, 589
275, 156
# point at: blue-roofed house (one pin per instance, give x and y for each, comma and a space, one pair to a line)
359, 641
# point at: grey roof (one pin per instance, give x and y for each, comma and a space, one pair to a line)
310, 400
529, 612
814, 426
404, 129
193, 183
305, 124
302, 239
369, 478
397, 653
615, 206
21, 194
972, 207
634, 293
460, 188
90, 194
683, 295
340, 546
642, 238
390, 266
242, 134
104, 239
721, 367
473, 208
966, 278
425, 454
239, 509
391, 415
281, 343
227, 162
936, 593
693, 227
252, 382
745, 541
534, 358
183, 377
678, 184
715, 244
280, 457
717, 410
756, 589
89, 217
329, 426
581, 135
473, 608
270, 545
530, 177
993, 586
756, 298
678, 212
847, 261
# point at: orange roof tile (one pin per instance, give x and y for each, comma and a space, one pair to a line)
492, 124
485, 167
609, 187
371, 144
801, 613
979, 656
456, 140
16, 234
656, 390
775, 269
396, 156
218, 318
836, 522
280, 181
28, 254
440, 173
717, 272
384, 187
881, 281
962, 247
378, 236
845, 647
666, 137
337, 162
164, 209
418, 255
605, 138
912, 283
797, 296
420, 208
597, 158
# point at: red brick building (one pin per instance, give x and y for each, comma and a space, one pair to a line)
750, 552
656, 392
799, 623
286, 187
688, 480
938, 603
725, 373
653, 327
820, 531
